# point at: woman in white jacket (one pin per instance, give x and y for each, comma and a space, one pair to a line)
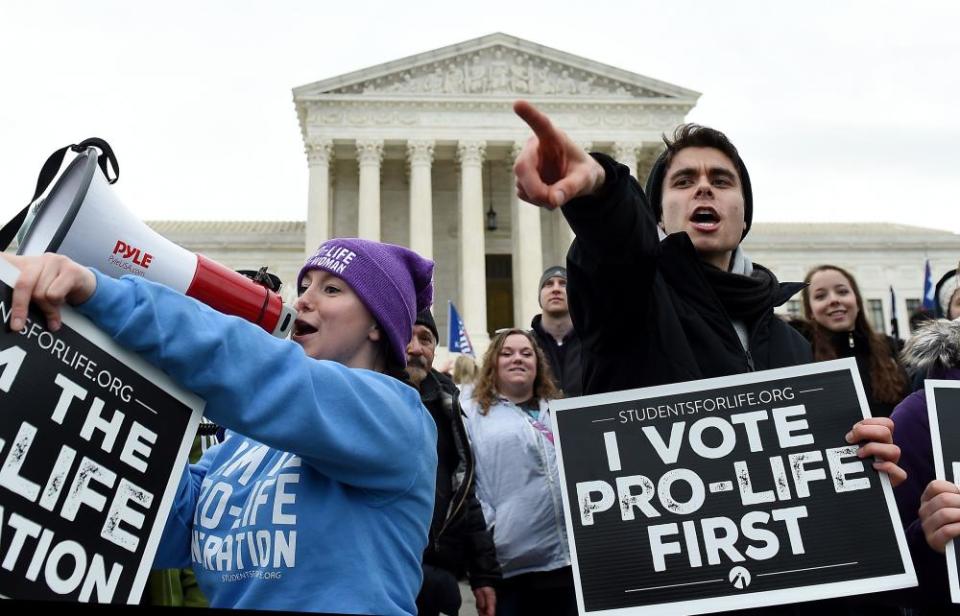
517, 480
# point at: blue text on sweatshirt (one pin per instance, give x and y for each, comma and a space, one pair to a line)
321, 498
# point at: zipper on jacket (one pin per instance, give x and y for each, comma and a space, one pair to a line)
750, 361
851, 339
451, 515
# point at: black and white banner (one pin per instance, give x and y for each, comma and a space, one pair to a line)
726, 493
90, 436
943, 409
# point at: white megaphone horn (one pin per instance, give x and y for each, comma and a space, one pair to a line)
82, 219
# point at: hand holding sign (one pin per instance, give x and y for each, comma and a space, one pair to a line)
552, 169
876, 436
50, 280
940, 513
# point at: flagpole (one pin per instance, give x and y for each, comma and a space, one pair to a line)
894, 325
450, 345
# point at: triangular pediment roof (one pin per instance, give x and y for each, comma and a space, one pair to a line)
496, 65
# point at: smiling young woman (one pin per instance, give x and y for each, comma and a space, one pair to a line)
838, 327
518, 483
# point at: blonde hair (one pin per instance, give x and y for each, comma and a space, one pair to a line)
464, 370
486, 389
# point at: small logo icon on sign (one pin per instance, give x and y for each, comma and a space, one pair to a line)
739, 577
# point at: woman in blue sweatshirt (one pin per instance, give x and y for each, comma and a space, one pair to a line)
321, 497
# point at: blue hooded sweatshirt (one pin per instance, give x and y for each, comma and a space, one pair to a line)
321, 497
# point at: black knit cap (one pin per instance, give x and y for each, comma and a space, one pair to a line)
655, 190
550, 272
425, 318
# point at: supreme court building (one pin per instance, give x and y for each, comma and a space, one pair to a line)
419, 152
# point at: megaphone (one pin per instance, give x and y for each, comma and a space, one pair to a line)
82, 219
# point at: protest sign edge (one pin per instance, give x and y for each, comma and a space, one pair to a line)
940, 469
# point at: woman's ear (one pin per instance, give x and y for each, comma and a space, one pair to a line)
373, 334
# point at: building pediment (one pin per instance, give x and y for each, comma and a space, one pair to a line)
495, 66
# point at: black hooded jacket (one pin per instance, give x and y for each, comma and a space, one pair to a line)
564, 359
459, 541
644, 309
647, 315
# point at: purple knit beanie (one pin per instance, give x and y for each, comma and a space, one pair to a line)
393, 282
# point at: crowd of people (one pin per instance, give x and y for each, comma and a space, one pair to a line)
389, 480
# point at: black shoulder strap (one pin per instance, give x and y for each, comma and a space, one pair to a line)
49, 171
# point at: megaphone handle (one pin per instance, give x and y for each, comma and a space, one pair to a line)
10, 229
49, 171
106, 157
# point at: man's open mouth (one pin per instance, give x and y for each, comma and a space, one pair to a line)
705, 215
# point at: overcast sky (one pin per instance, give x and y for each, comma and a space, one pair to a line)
843, 111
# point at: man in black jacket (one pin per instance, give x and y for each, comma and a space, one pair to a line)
692, 306
660, 291
554, 332
459, 542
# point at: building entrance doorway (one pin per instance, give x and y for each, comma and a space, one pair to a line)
499, 292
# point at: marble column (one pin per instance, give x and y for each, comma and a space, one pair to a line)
319, 213
369, 155
527, 250
472, 282
646, 156
420, 157
625, 152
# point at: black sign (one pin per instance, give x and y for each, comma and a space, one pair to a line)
943, 407
89, 438
726, 493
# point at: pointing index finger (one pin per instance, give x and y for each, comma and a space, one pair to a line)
538, 122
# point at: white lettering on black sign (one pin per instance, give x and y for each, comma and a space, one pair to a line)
87, 448
711, 492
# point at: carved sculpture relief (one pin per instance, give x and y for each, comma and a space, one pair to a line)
499, 70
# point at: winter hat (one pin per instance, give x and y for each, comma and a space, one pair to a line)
945, 289
550, 272
933, 348
425, 318
655, 190
393, 282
